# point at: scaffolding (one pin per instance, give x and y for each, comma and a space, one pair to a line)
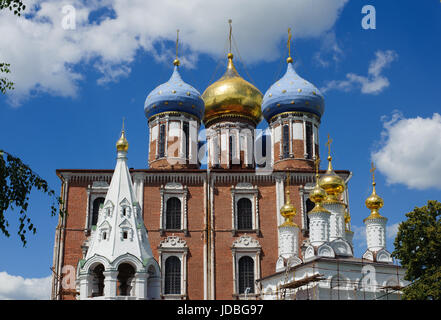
285, 290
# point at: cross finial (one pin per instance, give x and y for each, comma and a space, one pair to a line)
328, 144
373, 168
289, 42
177, 42
177, 62
123, 125
231, 31
317, 165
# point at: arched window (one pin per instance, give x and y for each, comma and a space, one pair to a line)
186, 136
230, 149
285, 141
173, 214
244, 214
308, 132
98, 281
125, 279
246, 275
95, 209
172, 284
161, 142
309, 206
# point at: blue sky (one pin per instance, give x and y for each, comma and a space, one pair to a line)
382, 91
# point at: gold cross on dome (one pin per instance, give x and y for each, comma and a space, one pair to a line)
177, 42
289, 42
373, 168
317, 164
328, 144
231, 31
123, 124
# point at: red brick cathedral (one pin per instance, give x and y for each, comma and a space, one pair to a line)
211, 206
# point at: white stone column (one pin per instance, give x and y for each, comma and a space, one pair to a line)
141, 285
376, 233
110, 281
288, 241
85, 286
336, 221
319, 227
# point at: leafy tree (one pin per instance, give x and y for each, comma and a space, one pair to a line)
16, 183
418, 247
17, 7
16, 178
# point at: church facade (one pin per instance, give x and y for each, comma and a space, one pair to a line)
254, 224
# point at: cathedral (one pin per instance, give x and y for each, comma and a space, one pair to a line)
259, 220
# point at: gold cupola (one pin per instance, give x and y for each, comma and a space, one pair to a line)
318, 194
232, 97
288, 211
122, 144
374, 202
332, 183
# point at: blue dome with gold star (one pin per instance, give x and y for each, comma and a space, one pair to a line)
174, 96
292, 94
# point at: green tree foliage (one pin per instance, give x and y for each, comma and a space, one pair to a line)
5, 84
418, 247
16, 182
17, 7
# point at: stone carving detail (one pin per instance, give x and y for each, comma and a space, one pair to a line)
341, 247
173, 242
325, 251
246, 241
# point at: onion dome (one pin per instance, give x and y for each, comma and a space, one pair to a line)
122, 144
288, 211
332, 183
292, 94
374, 203
232, 96
318, 195
174, 96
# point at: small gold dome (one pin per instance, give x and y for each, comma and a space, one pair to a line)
122, 144
317, 195
374, 203
231, 95
288, 211
333, 184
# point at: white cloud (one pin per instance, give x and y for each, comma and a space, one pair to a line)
392, 230
374, 83
44, 57
19, 288
330, 50
410, 151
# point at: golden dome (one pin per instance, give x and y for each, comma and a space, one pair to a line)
288, 211
233, 96
374, 203
122, 144
333, 184
318, 194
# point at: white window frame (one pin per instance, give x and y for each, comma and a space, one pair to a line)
174, 246
173, 190
98, 189
245, 246
247, 191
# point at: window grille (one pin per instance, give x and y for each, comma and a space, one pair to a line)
172, 283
